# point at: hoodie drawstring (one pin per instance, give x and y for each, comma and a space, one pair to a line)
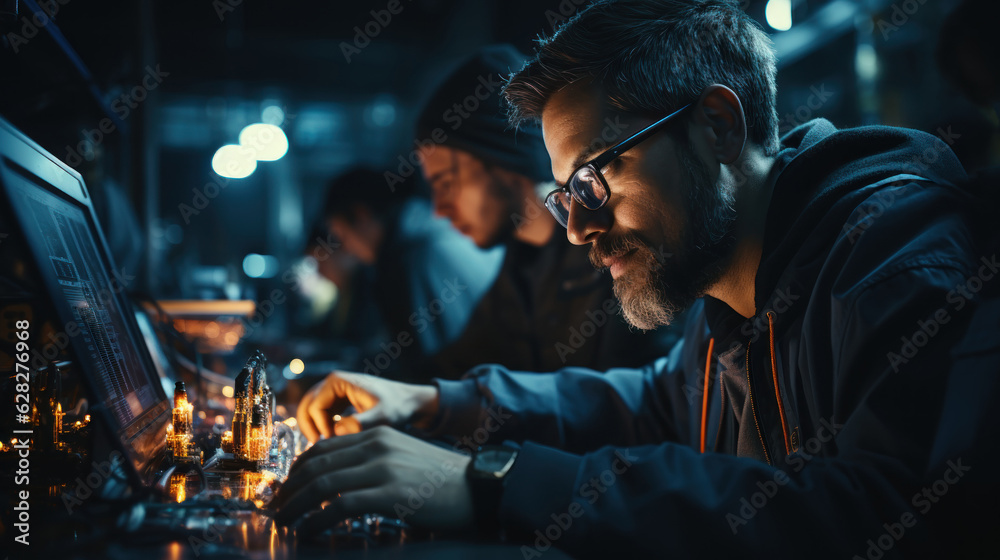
704, 395
774, 377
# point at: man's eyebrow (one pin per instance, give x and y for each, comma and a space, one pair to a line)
583, 157
439, 175
589, 153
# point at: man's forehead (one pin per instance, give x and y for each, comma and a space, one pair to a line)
577, 106
437, 158
571, 120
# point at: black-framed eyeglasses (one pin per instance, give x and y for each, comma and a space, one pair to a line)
587, 185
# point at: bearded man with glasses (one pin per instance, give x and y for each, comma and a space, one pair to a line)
834, 390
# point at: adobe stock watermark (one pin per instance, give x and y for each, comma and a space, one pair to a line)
364, 34
534, 208
750, 506
122, 106
590, 491
610, 134
202, 197
871, 209
568, 8
435, 479
225, 7
923, 501
729, 360
589, 327
417, 497
86, 487
565, 10
922, 161
31, 25
291, 280
60, 340
578, 335
420, 320
783, 299
323, 248
495, 419
876, 205
818, 97
956, 299
486, 85
900, 14
216, 527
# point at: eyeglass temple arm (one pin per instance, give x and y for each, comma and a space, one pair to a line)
638, 136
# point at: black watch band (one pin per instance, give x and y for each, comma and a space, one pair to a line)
486, 474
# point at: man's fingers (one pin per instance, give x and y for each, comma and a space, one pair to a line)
327, 487
347, 426
321, 419
314, 414
304, 420
357, 388
314, 467
371, 418
349, 504
326, 446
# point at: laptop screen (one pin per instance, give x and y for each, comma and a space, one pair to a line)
61, 233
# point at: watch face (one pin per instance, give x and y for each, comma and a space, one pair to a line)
495, 461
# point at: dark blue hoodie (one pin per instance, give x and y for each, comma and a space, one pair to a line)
823, 417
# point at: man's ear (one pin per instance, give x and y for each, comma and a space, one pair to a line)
720, 112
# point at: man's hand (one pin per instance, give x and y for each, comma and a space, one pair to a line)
377, 402
379, 471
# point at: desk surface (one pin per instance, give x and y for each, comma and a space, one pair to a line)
225, 520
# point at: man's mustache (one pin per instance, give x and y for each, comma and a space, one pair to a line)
607, 248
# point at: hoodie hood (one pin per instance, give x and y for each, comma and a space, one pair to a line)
821, 175
826, 182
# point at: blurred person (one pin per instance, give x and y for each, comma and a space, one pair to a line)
967, 55
549, 308
833, 394
967, 52
354, 317
425, 277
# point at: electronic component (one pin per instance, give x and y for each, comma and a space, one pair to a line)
180, 431
252, 417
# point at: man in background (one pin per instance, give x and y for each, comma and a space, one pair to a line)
426, 278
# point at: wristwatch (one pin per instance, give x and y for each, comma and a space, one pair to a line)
486, 474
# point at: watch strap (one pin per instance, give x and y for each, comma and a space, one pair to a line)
487, 493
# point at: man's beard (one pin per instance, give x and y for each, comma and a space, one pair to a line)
657, 285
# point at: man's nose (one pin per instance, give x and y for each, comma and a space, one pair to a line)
584, 226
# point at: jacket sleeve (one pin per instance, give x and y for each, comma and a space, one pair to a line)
575, 409
900, 454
